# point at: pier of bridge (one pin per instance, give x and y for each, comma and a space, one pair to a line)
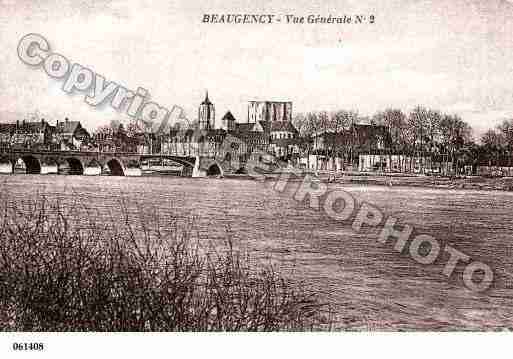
100, 163
226, 159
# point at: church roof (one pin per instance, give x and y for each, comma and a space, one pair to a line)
228, 117
244, 127
67, 126
286, 126
261, 126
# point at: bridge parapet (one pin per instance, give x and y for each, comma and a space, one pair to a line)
83, 162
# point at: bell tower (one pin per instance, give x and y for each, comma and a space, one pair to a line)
206, 114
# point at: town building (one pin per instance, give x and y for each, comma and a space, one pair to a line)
202, 140
269, 111
284, 140
206, 114
70, 135
360, 146
40, 135
228, 122
26, 135
268, 129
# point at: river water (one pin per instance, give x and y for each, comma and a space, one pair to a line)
369, 284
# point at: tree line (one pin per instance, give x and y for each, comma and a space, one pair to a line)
422, 133
429, 135
497, 144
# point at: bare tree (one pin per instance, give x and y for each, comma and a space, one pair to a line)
417, 122
340, 124
395, 122
300, 123
316, 125
432, 133
506, 129
493, 144
454, 134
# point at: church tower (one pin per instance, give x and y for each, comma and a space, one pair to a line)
206, 114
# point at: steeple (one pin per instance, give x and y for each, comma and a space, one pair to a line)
206, 114
206, 101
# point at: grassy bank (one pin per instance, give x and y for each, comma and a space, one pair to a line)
63, 273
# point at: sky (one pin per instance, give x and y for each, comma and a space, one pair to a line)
451, 55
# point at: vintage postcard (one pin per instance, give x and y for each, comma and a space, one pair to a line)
236, 166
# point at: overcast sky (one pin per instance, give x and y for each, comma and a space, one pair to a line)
453, 55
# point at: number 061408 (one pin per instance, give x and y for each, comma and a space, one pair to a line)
28, 346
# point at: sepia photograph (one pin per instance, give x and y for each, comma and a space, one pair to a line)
340, 171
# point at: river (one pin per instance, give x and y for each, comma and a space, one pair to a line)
370, 285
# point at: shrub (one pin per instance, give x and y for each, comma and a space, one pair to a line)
63, 273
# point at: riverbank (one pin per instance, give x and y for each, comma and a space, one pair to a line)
470, 182
465, 182
414, 180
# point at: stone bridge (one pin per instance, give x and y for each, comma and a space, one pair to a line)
103, 163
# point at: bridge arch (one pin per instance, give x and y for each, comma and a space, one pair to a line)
133, 164
184, 161
214, 170
94, 163
32, 164
6, 165
5, 158
188, 166
50, 161
116, 167
76, 167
